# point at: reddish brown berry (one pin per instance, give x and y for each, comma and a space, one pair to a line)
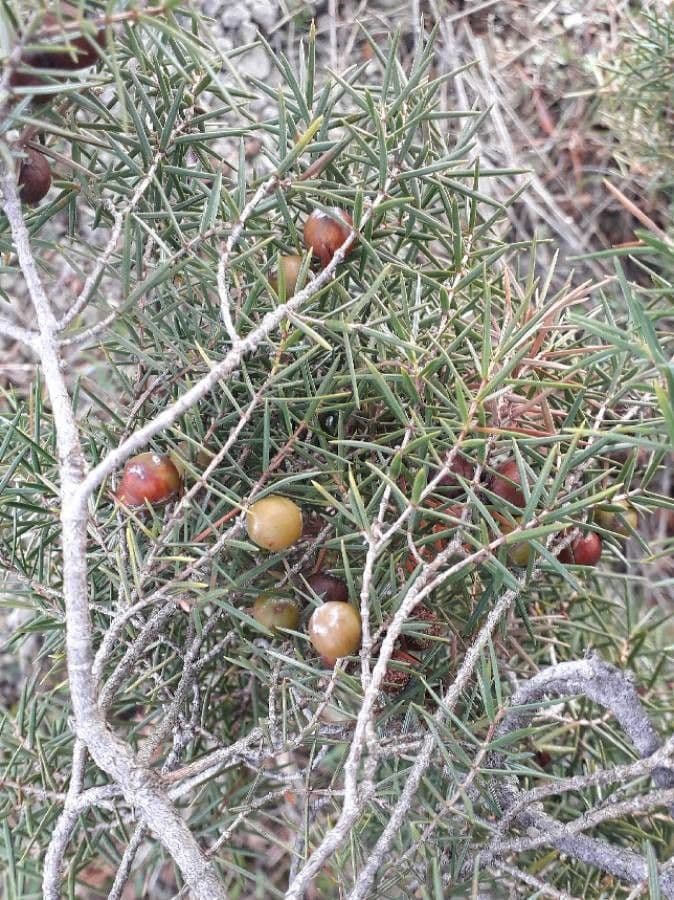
543, 759
34, 177
325, 232
276, 612
80, 54
506, 483
449, 483
585, 550
274, 522
25, 79
68, 51
149, 478
328, 587
335, 630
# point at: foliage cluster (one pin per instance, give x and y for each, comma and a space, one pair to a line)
353, 397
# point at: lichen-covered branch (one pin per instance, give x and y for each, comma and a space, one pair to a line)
613, 690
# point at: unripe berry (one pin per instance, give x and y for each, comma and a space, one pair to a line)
519, 553
325, 232
335, 630
274, 522
34, 177
276, 612
328, 587
506, 483
619, 517
149, 478
585, 550
290, 267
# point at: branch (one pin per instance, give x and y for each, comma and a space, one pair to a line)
541, 888
614, 690
17, 333
266, 188
138, 784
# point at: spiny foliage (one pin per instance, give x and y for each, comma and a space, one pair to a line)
430, 335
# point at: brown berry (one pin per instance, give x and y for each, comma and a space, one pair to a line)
328, 587
506, 483
325, 232
274, 522
149, 478
585, 550
335, 630
619, 517
289, 268
25, 79
67, 52
449, 483
276, 612
34, 177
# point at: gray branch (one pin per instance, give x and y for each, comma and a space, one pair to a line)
141, 788
614, 690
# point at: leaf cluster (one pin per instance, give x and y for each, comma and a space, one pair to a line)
429, 337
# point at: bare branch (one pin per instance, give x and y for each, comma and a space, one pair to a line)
17, 333
266, 188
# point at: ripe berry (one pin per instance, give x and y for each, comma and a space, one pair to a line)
289, 267
585, 550
619, 517
506, 483
26, 79
276, 612
335, 630
81, 54
274, 522
449, 483
67, 52
34, 177
325, 232
149, 478
328, 587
